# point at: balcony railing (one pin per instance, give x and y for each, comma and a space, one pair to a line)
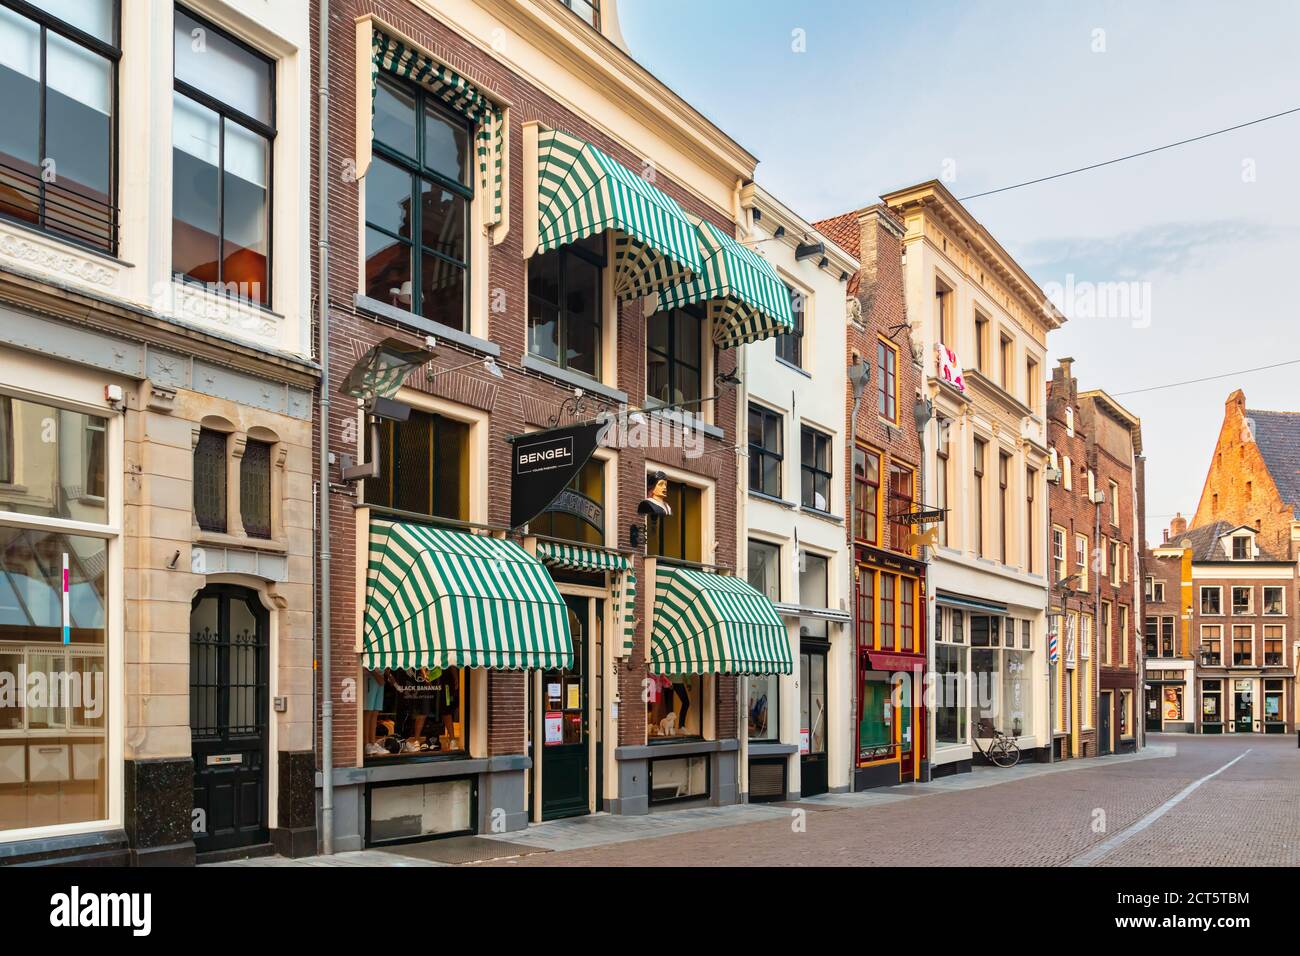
50, 206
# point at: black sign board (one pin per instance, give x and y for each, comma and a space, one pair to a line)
918, 517
542, 463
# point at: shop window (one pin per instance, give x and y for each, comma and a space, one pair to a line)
1172, 702
764, 707
765, 569
52, 462
1241, 600
53, 757
679, 778
674, 356
1125, 715
950, 688
423, 466
578, 512
789, 345
765, 450
866, 495
901, 491
418, 193
1273, 712
1211, 645
815, 470
887, 381
420, 810
1211, 600
223, 124
415, 712
1243, 640
1273, 601
1274, 645
58, 80
876, 722
675, 709
255, 489
1017, 692
210, 480
1212, 702
680, 534
565, 305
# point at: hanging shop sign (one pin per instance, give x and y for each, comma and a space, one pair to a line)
543, 463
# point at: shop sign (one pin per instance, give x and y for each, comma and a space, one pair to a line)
543, 463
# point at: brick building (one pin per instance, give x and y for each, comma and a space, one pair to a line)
885, 462
1254, 476
524, 308
1095, 449
1168, 665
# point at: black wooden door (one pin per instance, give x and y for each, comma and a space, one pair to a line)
813, 768
1103, 723
228, 718
564, 724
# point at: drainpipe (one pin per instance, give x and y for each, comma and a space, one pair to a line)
323, 332
858, 376
1096, 620
923, 411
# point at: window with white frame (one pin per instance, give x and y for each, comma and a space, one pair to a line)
1211, 599
1242, 600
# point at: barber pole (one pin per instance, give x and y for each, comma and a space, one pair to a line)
67, 616
1053, 650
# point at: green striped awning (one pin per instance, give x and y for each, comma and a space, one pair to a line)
746, 299
582, 191
442, 598
579, 558
458, 94
715, 624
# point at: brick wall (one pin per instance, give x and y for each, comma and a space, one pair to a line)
522, 398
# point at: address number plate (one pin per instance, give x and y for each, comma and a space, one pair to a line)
219, 759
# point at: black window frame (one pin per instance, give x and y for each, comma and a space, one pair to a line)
670, 358
247, 496
812, 469
386, 453
759, 452
416, 167
113, 53
253, 125
789, 345
563, 255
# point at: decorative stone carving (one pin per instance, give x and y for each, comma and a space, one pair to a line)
58, 260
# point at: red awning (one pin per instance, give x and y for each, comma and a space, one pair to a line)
882, 661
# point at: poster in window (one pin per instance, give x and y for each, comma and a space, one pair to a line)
1173, 703
804, 741
1210, 707
573, 695
554, 728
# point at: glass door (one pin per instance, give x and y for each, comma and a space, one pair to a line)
812, 719
1243, 703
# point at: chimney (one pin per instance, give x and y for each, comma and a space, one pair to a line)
1165, 534
1178, 526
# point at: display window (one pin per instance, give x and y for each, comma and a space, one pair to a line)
876, 725
679, 778
1273, 711
1171, 698
675, 707
950, 688
763, 707
415, 712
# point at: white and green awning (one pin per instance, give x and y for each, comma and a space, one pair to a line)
442, 598
708, 623
745, 298
577, 557
391, 55
583, 191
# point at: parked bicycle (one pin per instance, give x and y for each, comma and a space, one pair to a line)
1002, 752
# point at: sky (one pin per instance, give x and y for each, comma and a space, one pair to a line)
843, 100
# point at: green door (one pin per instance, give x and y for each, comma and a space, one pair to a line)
1243, 707
565, 723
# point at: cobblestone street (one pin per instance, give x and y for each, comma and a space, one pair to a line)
1186, 800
